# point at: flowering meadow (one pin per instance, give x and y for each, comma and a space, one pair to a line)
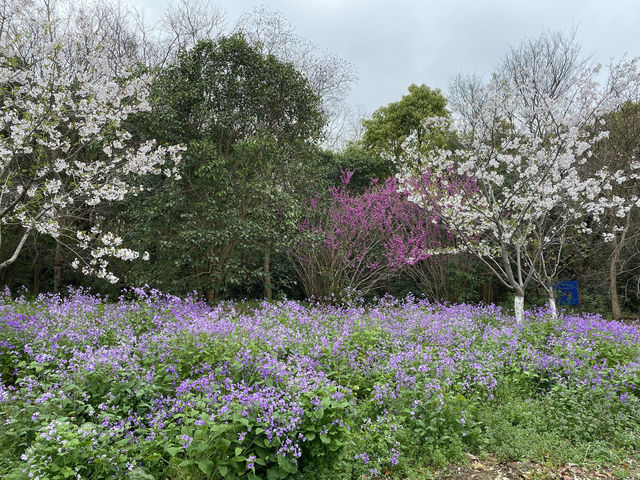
158, 387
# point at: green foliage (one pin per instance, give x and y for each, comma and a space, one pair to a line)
389, 126
565, 425
63, 450
441, 426
365, 165
250, 123
587, 415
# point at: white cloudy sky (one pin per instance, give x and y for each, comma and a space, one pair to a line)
393, 43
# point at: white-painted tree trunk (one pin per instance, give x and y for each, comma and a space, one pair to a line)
552, 308
518, 306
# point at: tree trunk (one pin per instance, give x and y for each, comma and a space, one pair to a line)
7, 275
57, 269
552, 306
211, 296
487, 291
518, 306
617, 244
616, 312
266, 275
36, 277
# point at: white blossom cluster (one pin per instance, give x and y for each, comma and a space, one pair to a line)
526, 137
64, 147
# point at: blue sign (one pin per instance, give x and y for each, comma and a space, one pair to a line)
566, 292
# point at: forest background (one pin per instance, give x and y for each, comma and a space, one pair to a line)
279, 192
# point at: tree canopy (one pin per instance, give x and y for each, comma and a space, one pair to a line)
389, 126
249, 122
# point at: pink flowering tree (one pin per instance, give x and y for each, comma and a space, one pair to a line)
63, 145
525, 136
363, 240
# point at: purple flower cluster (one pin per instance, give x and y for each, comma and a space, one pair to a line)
159, 368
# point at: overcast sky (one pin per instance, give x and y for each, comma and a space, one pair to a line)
394, 43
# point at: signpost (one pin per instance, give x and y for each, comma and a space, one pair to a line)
566, 292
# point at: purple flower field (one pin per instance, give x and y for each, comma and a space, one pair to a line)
163, 387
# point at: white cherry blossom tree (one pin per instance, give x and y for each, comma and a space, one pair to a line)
524, 136
63, 144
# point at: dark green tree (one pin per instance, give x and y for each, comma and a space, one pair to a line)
364, 165
250, 123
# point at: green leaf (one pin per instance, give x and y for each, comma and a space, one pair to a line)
218, 430
324, 438
67, 472
286, 465
173, 451
17, 476
238, 451
262, 452
223, 470
202, 446
206, 466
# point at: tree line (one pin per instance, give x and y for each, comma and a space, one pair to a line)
187, 157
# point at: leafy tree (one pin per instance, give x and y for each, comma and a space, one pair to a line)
364, 166
249, 122
390, 126
330, 76
117, 35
